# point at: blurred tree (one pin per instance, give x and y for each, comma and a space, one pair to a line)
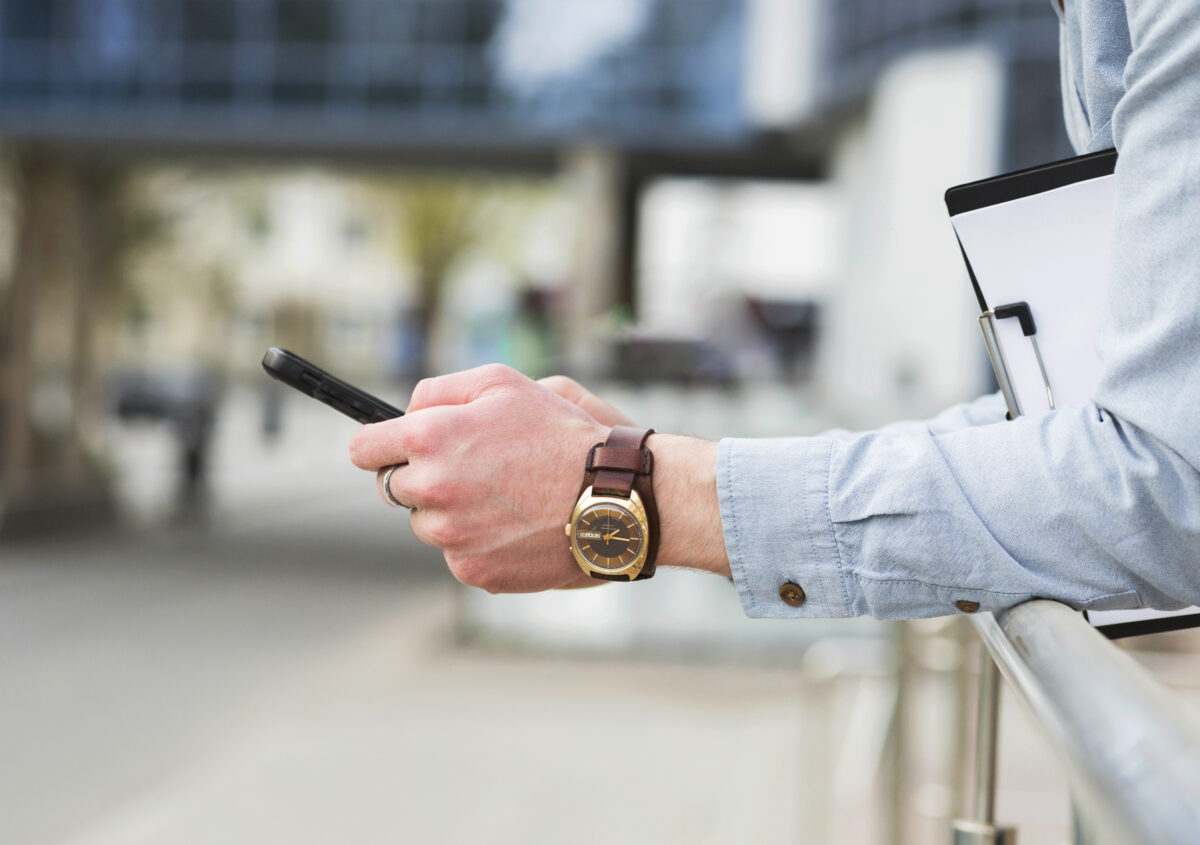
297, 323
438, 222
181, 280
440, 219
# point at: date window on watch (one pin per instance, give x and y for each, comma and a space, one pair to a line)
608, 536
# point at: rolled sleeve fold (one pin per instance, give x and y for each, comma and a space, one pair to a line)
774, 499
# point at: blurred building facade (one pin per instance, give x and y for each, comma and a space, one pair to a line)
720, 170
868, 109
864, 37
488, 76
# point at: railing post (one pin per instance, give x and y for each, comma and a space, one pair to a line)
1131, 752
982, 829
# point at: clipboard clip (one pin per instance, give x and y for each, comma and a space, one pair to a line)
1024, 315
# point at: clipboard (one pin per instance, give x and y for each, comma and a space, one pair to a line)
1037, 245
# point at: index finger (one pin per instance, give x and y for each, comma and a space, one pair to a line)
411, 437
381, 444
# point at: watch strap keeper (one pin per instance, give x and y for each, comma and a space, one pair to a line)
614, 464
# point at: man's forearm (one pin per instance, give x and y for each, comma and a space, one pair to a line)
685, 487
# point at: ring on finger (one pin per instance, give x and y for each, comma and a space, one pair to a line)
387, 488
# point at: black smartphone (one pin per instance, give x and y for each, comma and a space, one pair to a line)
310, 379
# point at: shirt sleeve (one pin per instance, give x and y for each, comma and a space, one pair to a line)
985, 409
1096, 506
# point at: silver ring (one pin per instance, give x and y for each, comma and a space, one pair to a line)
387, 488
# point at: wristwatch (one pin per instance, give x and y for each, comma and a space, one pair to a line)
614, 528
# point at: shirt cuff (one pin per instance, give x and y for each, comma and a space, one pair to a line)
774, 500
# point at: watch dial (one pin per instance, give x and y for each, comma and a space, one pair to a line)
608, 536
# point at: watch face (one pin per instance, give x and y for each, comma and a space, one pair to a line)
609, 536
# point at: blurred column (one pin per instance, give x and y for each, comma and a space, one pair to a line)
782, 61
594, 177
62, 267
92, 195
33, 182
965, 682
899, 771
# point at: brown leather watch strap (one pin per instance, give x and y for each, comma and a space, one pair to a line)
612, 466
619, 465
629, 460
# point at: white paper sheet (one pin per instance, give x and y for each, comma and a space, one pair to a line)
1052, 250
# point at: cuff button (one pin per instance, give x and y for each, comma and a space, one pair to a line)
792, 594
967, 606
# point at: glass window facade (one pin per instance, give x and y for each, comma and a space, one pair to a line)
642, 71
646, 73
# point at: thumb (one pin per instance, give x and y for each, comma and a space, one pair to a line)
596, 407
462, 387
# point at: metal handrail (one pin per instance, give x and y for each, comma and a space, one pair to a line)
1131, 753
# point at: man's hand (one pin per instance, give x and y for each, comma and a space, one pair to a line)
491, 463
493, 466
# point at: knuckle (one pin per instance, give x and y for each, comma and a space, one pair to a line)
437, 492
437, 530
421, 390
358, 449
420, 437
374, 446
498, 374
562, 385
476, 572
468, 570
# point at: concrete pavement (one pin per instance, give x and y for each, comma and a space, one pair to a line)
153, 695
287, 669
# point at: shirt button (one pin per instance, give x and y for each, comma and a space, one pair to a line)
792, 594
967, 606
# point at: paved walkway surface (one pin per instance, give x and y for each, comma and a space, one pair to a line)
287, 670
284, 669
155, 693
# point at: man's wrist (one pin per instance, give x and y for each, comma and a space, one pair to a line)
685, 486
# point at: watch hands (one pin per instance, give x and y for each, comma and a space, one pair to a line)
613, 536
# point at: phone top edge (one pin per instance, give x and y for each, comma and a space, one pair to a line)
283, 365
313, 381
275, 357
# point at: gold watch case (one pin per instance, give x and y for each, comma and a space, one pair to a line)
631, 506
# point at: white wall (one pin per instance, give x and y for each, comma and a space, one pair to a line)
781, 61
705, 242
901, 338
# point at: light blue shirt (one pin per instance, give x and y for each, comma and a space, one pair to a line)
1096, 506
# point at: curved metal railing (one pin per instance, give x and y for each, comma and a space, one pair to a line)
1131, 752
